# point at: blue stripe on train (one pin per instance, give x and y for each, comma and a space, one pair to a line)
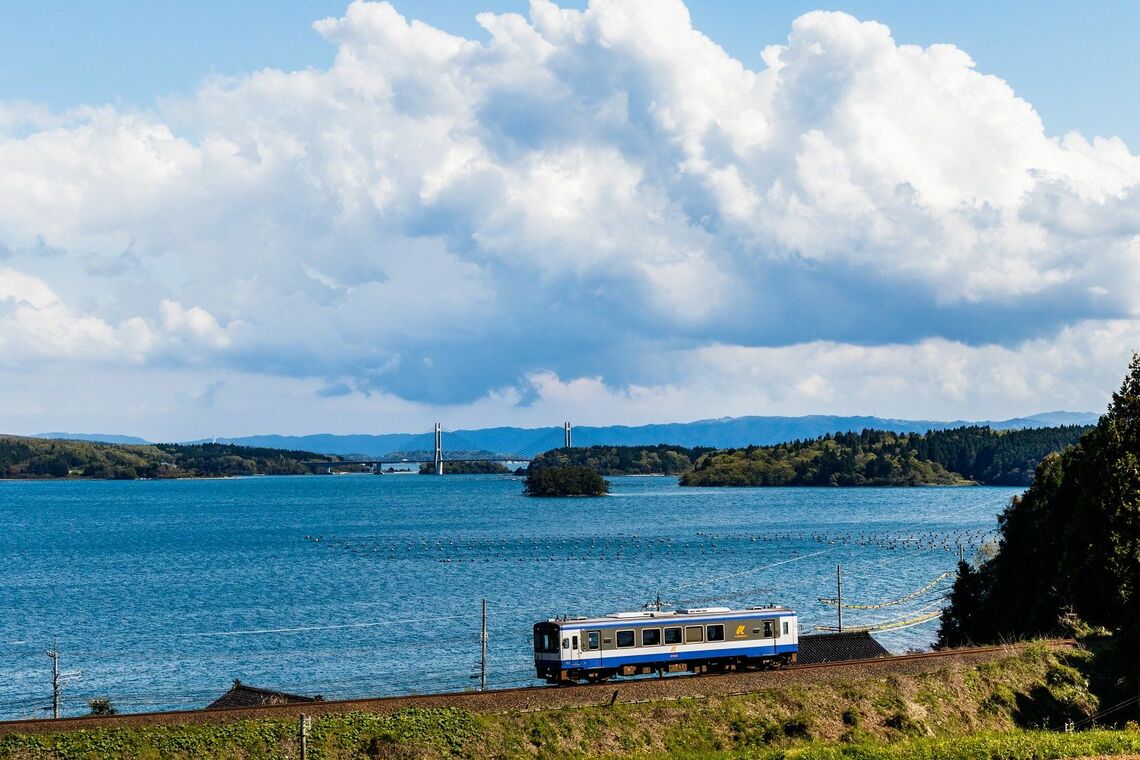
660, 656
573, 626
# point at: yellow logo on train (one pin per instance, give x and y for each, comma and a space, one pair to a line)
740, 631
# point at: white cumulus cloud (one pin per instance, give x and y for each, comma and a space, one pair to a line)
601, 196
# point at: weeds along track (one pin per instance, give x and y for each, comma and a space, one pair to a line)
531, 698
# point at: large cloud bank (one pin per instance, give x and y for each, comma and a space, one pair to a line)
597, 208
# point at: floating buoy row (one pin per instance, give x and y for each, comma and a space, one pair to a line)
931, 540
635, 546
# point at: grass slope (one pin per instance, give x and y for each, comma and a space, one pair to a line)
994, 710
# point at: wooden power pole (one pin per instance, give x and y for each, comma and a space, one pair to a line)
53, 653
483, 650
303, 729
839, 596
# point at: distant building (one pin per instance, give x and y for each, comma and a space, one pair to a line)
241, 695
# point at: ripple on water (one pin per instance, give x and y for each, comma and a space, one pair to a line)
163, 592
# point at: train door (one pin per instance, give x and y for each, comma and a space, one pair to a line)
591, 649
768, 628
572, 646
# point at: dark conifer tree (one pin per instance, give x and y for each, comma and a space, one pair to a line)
1071, 541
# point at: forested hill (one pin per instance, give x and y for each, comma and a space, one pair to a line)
623, 460
876, 457
39, 458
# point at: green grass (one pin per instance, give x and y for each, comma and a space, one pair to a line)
993, 710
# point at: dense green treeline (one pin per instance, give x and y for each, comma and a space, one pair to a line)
870, 458
995, 457
44, 458
466, 468
882, 458
661, 459
1069, 547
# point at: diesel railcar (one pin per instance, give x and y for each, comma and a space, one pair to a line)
699, 640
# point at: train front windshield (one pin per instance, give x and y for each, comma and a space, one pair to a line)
545, 638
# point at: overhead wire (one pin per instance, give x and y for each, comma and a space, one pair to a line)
894, 602
1109, 711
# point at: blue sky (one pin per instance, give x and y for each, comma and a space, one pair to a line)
284, 217
1074, 61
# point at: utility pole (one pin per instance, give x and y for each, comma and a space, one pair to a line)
483, 651
438, 449
53, 653
57, 678
567, 436
839, 596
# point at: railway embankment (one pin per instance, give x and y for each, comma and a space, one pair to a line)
527, 699
984, 693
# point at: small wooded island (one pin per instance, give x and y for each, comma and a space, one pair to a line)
570, 480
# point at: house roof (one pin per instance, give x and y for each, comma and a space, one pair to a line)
836, 647
241, 695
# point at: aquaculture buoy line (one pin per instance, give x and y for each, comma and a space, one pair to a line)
893, 602
635, 546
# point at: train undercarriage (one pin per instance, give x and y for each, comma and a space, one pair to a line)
574, 676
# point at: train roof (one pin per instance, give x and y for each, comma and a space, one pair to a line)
689, 613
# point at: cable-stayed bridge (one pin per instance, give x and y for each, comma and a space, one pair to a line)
439, 446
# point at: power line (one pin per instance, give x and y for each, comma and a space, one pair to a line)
714, 579
901, 600
1115, 708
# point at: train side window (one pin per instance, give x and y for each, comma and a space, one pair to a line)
574, 644
650, 637
565, 643
593, 640
672, 635
769, 629
715, 632
785, 627
694, 633
625, 639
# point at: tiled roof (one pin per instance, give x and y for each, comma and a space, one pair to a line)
836, 647
241, 695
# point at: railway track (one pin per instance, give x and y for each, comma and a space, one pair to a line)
530, 698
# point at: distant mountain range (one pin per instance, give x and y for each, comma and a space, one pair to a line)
720, 433
96, 437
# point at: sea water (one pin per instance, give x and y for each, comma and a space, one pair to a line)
162, 592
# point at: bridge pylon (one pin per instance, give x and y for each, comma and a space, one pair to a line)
438, 464
567, 435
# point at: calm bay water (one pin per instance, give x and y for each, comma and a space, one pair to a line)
162, 592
